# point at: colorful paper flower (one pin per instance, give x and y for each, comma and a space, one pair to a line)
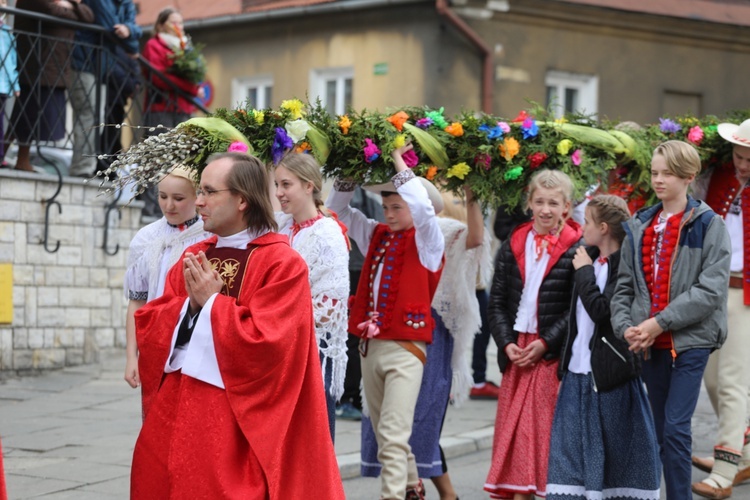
521, 117
259, 116
483, 160
344, 124
424, 123
455, 129
563, 147
509, 148
372, 152
297, 129
238, 147
576, 157
398, 120
504, 127
513, 174
399, 141
695, 135
294, 106
302, 148
492, 132
536, 159
669, 126
529, 128
458, 170
410, 158
431, 173
437, 118
281, 143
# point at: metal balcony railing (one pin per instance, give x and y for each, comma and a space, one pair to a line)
123, 89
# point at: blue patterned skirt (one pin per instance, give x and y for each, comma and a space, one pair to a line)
603, 443
429, 414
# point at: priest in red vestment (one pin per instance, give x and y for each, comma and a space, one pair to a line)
233, 397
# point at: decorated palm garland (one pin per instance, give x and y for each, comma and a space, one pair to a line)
494, 156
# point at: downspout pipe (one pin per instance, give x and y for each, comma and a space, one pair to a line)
487, 68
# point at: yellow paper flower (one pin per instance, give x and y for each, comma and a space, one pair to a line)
431, 173
509, 148
259, 116
455, 129
399, 141
561, 120
294, 106
564, 146
344, 124
459, 170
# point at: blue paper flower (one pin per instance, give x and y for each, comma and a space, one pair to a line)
281, 143
529, 128
492, 132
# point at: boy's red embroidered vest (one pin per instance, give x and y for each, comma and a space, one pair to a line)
722, 190
406, 288
658, 285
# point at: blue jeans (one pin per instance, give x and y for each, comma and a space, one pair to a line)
673, 390
481, 341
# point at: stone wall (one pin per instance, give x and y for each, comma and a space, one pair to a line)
67, 305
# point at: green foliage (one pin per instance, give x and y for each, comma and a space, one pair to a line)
189, 64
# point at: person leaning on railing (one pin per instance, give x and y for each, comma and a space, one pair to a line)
39, 112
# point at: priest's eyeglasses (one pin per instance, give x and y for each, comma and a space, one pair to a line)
209, 192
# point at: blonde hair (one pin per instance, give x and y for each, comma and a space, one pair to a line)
307, 169
613, 211
453, 207
681, 158
551, 179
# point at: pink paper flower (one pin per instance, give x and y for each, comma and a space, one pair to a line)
237, 147
576, 157
410, 158
372, 152
504, 127
695, 135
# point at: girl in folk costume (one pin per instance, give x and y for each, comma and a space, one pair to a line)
603, 423
528, 312
318, 237
155, 249
671, 297
455, 310
391, 311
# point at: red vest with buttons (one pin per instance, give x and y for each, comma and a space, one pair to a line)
406, 288
722, 190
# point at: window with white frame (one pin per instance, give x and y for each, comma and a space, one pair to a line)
334, 88
257, 92
572, 93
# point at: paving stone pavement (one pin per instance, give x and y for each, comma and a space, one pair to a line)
69, 434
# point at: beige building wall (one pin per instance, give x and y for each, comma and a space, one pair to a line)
425, 65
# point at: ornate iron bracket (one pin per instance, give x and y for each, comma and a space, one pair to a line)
49, 202
111, 207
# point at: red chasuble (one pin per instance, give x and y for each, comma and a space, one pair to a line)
265, 436
3, 494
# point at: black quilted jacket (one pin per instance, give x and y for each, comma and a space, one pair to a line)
554, 294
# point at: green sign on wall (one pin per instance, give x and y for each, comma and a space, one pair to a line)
380, 69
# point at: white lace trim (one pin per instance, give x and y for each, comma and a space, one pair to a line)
148, 249
455, 298
580, 491
324, 249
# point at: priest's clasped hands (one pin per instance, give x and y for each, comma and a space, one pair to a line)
201, 282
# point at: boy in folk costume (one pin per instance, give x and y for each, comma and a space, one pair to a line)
391, 311
727, 191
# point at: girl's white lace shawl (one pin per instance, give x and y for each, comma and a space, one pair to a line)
455, 298
324, 249
147, 251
